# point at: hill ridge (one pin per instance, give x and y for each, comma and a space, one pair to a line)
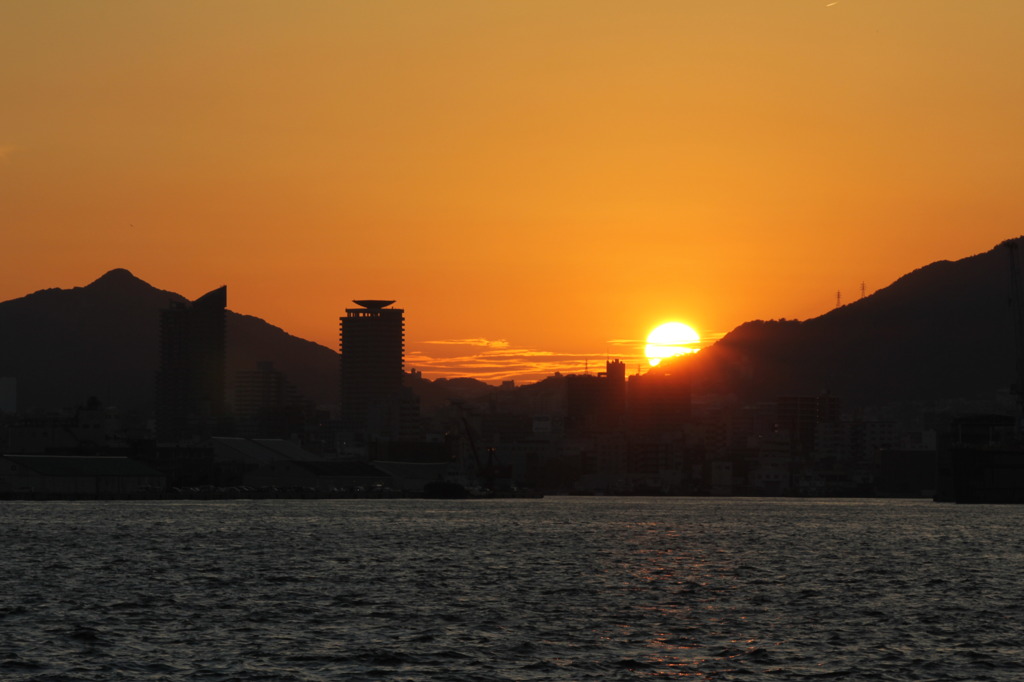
941, 331
102, 339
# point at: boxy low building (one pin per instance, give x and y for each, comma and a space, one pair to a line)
280, 464
77, 476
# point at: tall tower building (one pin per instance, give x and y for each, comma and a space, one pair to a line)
596, 402
191, 399
266, 405
372, 348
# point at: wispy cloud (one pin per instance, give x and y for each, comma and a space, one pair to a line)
499, 361
495, 360
485, 343
709, 338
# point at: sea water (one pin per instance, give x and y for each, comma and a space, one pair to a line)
552, 589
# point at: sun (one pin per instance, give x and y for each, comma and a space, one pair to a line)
669, 340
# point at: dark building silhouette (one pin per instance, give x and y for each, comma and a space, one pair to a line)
799, 416
659, 401
267, 405
190, 380
374, 404
596, 402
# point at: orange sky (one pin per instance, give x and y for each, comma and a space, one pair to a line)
551, 178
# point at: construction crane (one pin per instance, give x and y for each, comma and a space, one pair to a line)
485, 473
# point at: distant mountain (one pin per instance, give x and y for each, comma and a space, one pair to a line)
941, 332
64, 345
436, 394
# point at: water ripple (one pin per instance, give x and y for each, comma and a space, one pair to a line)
553, 589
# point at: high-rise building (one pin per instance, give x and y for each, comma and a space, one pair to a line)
800, 416
596, 402
659, 400
8, 395
190, 381
372, 347
266, 405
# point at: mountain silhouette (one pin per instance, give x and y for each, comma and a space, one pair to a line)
65, 345
941, 332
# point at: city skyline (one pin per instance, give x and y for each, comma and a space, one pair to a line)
497, 361
540, 184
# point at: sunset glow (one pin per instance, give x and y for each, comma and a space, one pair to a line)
551, 174
670, 340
